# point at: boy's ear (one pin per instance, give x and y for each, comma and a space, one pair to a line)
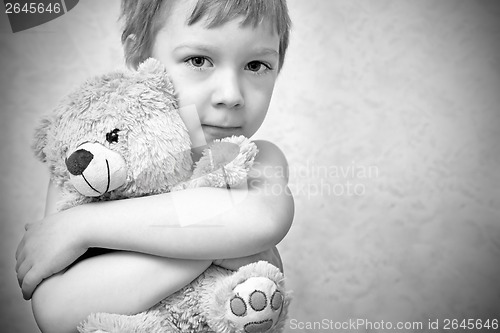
130, 42
129, 47
40, 139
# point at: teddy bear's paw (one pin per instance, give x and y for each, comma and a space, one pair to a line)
256, 305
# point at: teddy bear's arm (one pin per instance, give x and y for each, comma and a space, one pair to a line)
225, 163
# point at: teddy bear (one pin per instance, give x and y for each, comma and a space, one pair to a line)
120, 135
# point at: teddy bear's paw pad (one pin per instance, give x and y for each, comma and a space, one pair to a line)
256, 305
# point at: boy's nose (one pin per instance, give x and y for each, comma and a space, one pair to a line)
228, 91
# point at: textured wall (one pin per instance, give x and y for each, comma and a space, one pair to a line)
388, 112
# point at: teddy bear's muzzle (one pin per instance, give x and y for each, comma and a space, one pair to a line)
94, 169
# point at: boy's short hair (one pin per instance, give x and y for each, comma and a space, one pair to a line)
143, 21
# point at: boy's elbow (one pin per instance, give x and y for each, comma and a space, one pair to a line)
52, 313
281, 218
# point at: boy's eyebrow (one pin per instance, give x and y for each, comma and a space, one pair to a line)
266, 51
208, 48
201, 47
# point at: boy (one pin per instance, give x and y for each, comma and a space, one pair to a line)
223, 58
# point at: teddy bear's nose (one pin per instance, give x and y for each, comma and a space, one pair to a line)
78, 161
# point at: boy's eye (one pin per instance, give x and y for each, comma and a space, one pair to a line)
198, 62
258, 67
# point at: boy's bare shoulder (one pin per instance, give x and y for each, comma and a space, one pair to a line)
270, 155
270, 152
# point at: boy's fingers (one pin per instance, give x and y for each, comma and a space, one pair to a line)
21, 273
19, 262
28, 284
19, 248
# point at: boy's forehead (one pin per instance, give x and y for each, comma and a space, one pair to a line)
177, 13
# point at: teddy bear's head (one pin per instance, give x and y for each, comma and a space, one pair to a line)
119, 135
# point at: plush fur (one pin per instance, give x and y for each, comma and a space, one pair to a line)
119, 136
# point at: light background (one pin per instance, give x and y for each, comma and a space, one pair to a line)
404, 93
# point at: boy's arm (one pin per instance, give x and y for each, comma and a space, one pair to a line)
202, 223
119, 282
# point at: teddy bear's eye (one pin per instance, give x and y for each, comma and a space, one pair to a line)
112, 136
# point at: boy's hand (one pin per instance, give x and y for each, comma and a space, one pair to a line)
48, 247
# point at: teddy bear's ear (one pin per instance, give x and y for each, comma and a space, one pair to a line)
156, 74
151, 66
40, 139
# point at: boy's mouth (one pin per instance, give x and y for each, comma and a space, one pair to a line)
219, 132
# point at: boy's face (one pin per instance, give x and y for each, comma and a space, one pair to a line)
227, 73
